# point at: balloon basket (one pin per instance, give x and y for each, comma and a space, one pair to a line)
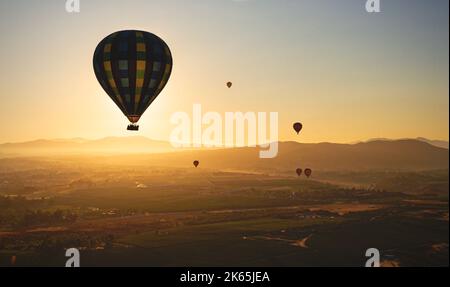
133, 127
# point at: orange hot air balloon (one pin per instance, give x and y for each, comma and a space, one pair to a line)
299, 171
298, 127
196, 163
229, 84
308, 172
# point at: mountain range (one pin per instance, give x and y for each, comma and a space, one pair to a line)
136, 144
438, 143
380, 154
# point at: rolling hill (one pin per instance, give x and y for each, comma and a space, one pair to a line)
136, 144
377, 155
437, 143
372, 155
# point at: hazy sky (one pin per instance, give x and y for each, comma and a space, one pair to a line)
346, 74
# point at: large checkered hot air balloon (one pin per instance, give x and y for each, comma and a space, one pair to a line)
133, 67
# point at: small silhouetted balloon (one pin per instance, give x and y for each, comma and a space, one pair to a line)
299, 171
196, 163
308, 172
229, 84
298, 127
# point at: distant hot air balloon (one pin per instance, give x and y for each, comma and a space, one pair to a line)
196, 163
132, 67
298, 127
308, 172
299, 171
229, 84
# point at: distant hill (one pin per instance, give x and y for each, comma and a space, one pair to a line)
375, 154
437, 143
380, 155
134, 144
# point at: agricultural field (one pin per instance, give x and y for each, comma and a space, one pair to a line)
168, 216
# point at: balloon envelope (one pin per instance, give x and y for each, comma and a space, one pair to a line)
132, 67
229, 84
196, 163
299, 171
308, 172
298, 127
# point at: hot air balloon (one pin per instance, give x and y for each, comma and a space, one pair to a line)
299, 171
298, 127
229, 84
308, 172
196, 163
132, 67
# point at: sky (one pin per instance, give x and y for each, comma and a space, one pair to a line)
347, 75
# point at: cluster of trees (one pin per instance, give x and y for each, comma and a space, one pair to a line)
20, 212
26, 218
7, 202
56, 242
38, 217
